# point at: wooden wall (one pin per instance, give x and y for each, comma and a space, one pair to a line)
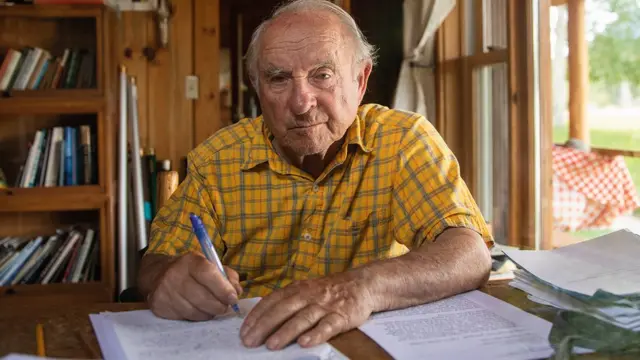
168, 121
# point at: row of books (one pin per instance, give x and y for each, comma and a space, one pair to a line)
68, 256
34, 68
60, 156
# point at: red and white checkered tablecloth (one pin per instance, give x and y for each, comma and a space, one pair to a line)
590, 190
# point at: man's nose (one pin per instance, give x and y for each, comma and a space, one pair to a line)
303, 97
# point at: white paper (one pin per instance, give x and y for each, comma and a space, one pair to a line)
624, 317
609, 263
472, 325
141, 335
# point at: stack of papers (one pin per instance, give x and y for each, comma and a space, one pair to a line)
141, 335
471, 325
598, 277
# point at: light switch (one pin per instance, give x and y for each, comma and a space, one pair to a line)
191, 87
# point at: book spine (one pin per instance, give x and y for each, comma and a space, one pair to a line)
85, 151
18, 68
68, 156
42, 161
28, 69
82, 258
32, 160
72, 70
12, 60
53, 163
74, 156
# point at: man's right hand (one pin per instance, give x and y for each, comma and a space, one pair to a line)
191, 288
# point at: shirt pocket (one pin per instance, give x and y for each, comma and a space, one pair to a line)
357, 240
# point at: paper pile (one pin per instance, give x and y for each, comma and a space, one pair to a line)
141, 335
598, 277
468, 326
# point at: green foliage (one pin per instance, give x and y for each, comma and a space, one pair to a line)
614, 54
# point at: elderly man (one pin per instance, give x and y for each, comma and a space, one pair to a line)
328, 209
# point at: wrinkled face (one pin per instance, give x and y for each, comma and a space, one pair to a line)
309, 87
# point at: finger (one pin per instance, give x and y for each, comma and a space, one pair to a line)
166, 313
232, 274
186, 310
256, 312
160, 305
271, 319
304, 320
202, 299
211, 278
238, 288
330, 326
234, 279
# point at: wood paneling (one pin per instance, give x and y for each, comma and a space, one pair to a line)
168, 121
207, 57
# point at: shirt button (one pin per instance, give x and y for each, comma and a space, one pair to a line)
316, 188
306, 236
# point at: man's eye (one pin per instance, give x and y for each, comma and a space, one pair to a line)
323, 76
277, 79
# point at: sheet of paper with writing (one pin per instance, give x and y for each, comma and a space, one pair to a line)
141, 335
472, 325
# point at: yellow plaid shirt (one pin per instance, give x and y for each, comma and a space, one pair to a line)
393, 185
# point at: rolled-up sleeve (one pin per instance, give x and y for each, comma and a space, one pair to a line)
429, 194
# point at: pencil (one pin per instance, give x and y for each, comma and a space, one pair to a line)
40, 339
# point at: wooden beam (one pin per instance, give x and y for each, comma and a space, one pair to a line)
478, 27
578, 71
449, 111
518, 231
546, 126
488, 58
616, 152
558, 2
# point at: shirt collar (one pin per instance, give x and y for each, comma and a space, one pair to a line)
262, 147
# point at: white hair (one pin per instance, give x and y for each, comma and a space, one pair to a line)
363, 49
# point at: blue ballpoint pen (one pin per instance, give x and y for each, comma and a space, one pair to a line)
208, 250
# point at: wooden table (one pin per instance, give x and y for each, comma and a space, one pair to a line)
69, 334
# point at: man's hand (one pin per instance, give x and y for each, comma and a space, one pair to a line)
311, 311
192, 288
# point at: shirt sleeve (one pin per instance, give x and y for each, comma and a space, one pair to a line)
429, 193
171, 232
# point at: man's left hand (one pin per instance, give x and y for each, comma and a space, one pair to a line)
311, 311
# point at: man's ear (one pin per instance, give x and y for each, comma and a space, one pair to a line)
363, 78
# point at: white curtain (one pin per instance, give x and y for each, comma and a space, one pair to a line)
416, 85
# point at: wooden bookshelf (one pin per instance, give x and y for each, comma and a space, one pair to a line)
57, 198
48, 104
39, 210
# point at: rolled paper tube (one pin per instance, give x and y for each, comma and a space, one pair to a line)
167, 184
